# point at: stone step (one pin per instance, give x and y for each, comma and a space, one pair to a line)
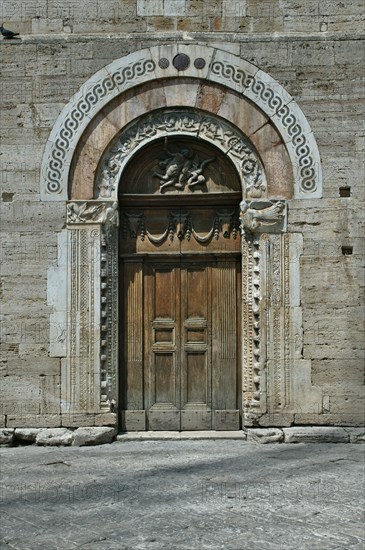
164, 435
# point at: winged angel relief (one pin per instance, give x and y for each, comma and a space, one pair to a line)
182, 169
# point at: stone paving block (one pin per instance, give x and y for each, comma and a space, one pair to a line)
269, 435
28, 435
93, 436
6, 436
54, 437
317, 434
357, 435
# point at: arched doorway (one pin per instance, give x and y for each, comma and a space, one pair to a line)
180, 289
232, 106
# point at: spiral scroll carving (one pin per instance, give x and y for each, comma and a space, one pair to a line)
81, 110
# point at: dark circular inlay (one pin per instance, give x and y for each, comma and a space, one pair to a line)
164, 63
199, 63
181, 61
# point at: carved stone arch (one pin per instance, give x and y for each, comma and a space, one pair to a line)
177, 122
195, 61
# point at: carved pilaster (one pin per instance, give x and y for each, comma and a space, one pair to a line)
90, 379
266, 307
80, 382
277, 311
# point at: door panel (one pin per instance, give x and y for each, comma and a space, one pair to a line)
161, 364
196, 365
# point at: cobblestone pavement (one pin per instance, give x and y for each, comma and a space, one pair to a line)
183, 495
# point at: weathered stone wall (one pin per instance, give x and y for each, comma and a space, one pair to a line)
316, 54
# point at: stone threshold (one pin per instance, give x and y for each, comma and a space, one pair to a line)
296, 434
182, 436
100, 435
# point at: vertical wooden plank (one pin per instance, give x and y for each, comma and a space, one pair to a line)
224, 299
132, 338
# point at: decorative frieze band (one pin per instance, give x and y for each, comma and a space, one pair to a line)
179, 225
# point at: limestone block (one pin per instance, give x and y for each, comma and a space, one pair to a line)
106, 419
149, 7
28, 435
93, 436
329, 419
261, 56
312, 53
268, 24
317, 434
6, 436
273, 435
328, 372
25, 419
284, 418
47, 26
2, 421
357, 435
227, 46
76, 420
35, 366
232, 24
174, 8
57, 436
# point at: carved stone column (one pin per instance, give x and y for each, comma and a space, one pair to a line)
89, 385
260, 222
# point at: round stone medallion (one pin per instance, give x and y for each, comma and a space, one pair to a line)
181, 61
163, 63
199, 63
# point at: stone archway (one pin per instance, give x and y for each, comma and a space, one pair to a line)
176, 61
271, 314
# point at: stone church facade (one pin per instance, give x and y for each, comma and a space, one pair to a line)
182, 215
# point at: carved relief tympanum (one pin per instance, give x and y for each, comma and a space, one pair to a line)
182, 168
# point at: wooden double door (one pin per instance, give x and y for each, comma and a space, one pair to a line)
180, 349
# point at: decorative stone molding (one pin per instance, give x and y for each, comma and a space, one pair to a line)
251, 336
179, 225
81, 212
157, 62
263, 216
180, 122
